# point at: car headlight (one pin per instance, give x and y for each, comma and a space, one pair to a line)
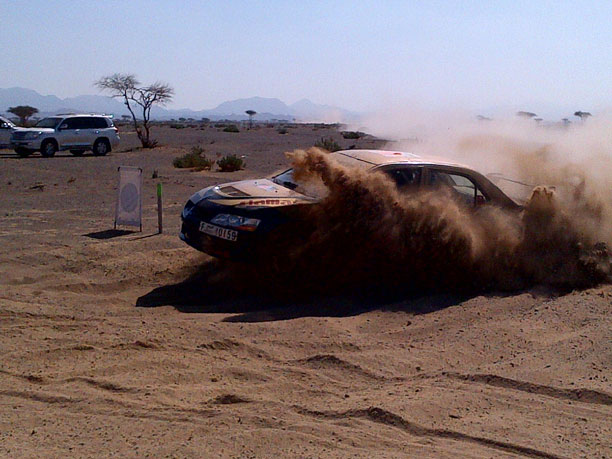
188, 207
32, 135
236, 221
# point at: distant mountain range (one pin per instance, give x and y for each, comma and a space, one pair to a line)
266, 108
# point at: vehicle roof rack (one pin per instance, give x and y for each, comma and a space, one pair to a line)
84, 114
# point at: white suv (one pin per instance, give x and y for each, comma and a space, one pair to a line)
6, 131
77, 133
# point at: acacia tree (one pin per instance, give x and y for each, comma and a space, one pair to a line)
526, 114
582, 115
135, 97
23, 112
251, 113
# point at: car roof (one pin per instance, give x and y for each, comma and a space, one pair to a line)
382, 157
376, 158
68, 115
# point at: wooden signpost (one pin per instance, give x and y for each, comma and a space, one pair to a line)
159, 208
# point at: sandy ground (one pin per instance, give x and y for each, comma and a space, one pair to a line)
112, 346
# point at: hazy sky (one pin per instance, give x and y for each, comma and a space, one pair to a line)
355, 54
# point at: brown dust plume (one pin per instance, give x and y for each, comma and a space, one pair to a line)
366, 235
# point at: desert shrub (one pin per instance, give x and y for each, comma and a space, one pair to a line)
230, 163
177, 126
282, 130
231, 128
352, 134
220, 125
194, 159
327, 143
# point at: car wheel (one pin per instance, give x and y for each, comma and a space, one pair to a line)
101, 147
77, 152
48, 148
23, 152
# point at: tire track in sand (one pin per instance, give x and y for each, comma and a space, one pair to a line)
381, 416
331, 362
579, 394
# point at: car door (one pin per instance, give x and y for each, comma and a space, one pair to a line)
85, 131
68, 133
89, 128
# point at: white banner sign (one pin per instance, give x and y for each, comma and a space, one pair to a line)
129, 198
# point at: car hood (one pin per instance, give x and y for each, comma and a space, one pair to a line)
252, 193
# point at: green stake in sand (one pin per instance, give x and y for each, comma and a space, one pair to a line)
159, 208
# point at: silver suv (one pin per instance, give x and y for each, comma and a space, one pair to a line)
77, 133
6, 130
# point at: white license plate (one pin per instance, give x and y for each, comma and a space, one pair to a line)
217, 231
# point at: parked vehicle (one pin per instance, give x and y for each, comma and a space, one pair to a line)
77, 133
234, 219
6, 131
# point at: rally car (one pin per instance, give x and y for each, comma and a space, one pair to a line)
233, 220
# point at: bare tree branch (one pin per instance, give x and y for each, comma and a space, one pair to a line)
128, 87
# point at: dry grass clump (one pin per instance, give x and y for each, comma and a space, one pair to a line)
231, 128
194, 159
327, 143
353, 135
230, 163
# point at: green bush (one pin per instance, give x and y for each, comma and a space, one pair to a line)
231, 128
329, 144
282, 130
195, 159
352, 134
230, 163
177, 126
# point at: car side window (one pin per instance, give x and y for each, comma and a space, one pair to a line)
86, 122
405, 177
98, 123
466, 190
83, 123
69, 123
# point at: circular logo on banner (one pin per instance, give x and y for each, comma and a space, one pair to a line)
129, 197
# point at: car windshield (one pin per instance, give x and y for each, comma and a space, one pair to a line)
314, 189
286, 179
48, 122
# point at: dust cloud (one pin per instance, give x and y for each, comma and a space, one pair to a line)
366, 234
367, 237
574, 160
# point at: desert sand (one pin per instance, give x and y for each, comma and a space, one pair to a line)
118, 345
